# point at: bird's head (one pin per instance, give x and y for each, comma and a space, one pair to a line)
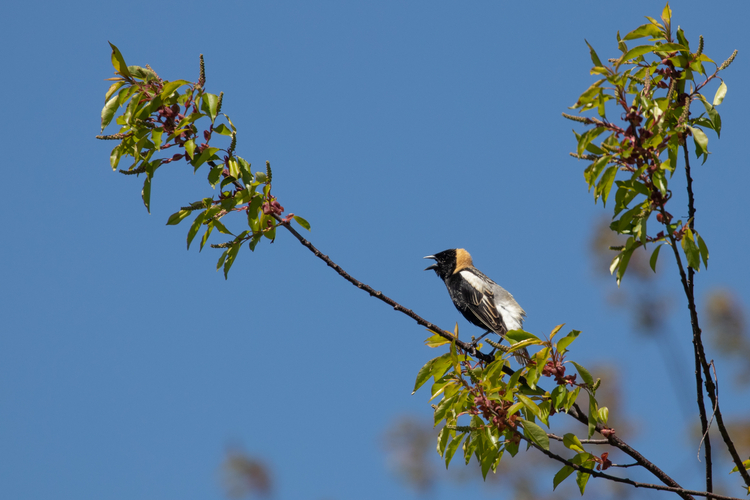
449, 262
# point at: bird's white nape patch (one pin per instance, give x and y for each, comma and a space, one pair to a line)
474, 280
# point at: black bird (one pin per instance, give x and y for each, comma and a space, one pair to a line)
483, 302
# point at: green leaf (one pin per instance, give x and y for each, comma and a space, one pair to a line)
169, 88
146, 193
210, 105
215, 174
450, 450
515, 336
190, 148
563, 343
562, 475
584, 373
691, 250
535, 433
112, 89
572, 442
118, 62
430, 369
531, 405
605, 184
703, 249
196, 225
156, 136
644, 31
222, 259
223, 130
581, 479
177, 217
745, 464
636, 51
108, 112
302, 222
654, 256
713, 116
594, 58
701, 141
721, 93
204, 157
231, 255
666, 16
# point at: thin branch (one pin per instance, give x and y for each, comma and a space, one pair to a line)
680, 491
575, 411
584, 441
701, 362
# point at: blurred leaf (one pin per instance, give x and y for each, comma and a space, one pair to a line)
745, 464
637, 51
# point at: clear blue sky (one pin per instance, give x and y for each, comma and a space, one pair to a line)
398, 129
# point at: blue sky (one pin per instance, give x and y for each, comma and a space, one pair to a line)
398, 129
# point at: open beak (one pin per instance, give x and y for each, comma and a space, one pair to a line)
433, 266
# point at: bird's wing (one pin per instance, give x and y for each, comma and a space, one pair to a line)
480, 300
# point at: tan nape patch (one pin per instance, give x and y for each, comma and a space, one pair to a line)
463, 260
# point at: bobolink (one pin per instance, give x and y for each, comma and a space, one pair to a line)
483, 302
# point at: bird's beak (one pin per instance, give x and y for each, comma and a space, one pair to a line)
434, 266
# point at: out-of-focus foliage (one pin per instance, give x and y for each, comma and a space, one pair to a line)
244, 476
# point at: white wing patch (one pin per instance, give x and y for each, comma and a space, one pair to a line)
473, 280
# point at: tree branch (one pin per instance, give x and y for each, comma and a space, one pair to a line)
575, 411
687, 494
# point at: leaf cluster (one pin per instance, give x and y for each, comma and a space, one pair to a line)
651, 86
486, 409
157, 115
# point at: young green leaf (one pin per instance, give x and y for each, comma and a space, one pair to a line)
572, 442
302, 222
562, 475
177, 217
654, 256
535, 433
118, 62
721, 93
584, 373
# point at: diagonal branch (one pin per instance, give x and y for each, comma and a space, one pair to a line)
575, 411
676, 489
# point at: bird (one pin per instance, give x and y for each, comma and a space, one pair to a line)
482, 302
